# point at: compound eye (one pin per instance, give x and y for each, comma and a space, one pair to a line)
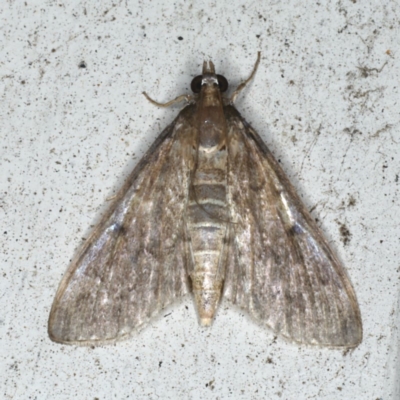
222, 83
196, 84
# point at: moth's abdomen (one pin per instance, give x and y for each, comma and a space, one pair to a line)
207, 219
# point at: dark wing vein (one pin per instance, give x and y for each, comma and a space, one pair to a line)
280, 267
134, 263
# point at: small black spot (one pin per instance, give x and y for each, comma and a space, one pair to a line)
180, 38
53, 50
295, 230
159, 364
345, 234
82, 64
211, 384
119, 229
352, 201
289, 297
258, 36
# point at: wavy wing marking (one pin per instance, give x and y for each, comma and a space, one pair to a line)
134, 263
280, 267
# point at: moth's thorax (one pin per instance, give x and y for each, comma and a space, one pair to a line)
210, 117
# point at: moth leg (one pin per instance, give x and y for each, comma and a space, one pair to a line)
186, 97
243, 84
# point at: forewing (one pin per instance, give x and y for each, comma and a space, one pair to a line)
134, 263
280, 267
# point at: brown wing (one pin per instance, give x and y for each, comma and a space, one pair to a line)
134, 263
280, 267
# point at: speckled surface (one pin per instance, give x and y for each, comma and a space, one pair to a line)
74, 123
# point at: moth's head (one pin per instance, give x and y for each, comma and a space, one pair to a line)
209, 80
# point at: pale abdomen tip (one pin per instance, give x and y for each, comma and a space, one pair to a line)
205, 321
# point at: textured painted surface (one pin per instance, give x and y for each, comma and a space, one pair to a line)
74, 124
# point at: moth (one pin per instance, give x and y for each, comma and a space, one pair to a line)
207, 211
